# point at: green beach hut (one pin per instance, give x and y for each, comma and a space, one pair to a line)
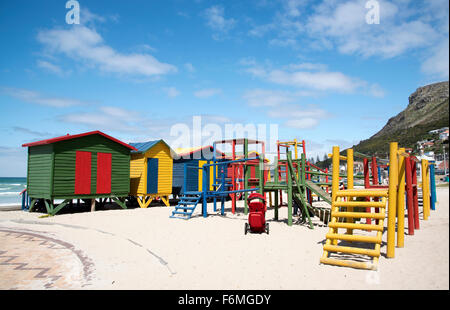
90, 165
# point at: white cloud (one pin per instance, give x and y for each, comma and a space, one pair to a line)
206, 93
343, 25
292, 7
335, 81
313, 77
437, 64
86, 16
304, 123
282, 105
50, 67
271, 98
38, 98
106, 118
405, 26
189, 67
215, 19
308, 66
87, 46
300, 116
31, 132
172, 92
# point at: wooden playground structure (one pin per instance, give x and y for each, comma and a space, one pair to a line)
231, 178
94, 165
351, 205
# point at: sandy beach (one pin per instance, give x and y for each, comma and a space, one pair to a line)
145, 249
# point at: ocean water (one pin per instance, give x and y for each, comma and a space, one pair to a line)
10, 189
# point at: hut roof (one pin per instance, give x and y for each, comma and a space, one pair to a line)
142, 147
183, 151
69, 137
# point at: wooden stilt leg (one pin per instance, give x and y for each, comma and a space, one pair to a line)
165, 200
33, 201
92, 204
150, 199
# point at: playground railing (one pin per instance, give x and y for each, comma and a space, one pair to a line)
26, 200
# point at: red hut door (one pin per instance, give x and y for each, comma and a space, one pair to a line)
103, 173
83, 173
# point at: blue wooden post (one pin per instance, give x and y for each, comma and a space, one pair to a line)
379, 174
205, 191
185, 179
23, 200
222, 206
432, 186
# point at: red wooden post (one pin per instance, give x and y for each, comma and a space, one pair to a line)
279, 171
375, 181
366, 173
415, 194
233, 180
367, 185
374, 171
326, 178
409, 195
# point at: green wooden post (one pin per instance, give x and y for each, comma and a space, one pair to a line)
49, 207
246, 173
119, 202
60, 206
33, 201
303, 167
299, 188
261, 176
52, 176
275, 179
302, 179
289, 191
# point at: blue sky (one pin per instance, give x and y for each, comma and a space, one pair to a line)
136, 69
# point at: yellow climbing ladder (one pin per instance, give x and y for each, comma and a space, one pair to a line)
358, 244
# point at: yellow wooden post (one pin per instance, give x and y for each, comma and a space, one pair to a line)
295, 148
335, 182
334, 190
401, 201
393, 179
350, 184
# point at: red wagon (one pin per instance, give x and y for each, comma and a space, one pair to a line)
257, 216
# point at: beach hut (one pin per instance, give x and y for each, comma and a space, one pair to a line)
90, 165
151, 169
187, 175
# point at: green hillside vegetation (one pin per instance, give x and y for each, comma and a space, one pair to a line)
428, 109
405, 137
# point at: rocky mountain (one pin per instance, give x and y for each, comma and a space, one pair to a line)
426, 105
428, 109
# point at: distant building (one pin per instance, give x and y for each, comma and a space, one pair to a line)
358, 166
440, 130
428, 144
443, 165
421, 143
443, 135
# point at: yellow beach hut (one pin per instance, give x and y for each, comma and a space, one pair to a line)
151, 168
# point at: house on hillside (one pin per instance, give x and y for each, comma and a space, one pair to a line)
438, 131
443, 135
